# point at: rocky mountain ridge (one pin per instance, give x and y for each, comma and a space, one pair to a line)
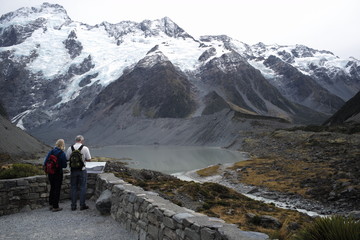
349, 113
55, 72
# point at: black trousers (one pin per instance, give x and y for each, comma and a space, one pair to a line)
55, 187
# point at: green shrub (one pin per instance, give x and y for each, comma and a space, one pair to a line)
142, 184
256, 220
207, 206
19, 170
331, 228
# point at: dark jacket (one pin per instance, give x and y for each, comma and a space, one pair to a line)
61, 157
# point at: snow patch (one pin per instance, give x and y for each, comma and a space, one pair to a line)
268, 73
52, 57
18, 119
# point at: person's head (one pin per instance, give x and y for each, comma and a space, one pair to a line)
79, 138
60, 143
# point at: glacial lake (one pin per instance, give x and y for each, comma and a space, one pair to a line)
169, 159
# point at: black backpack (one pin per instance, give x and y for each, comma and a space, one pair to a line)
76, 158
52, 164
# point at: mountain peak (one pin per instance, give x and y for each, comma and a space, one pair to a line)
27, 14
153, 57
19, 25
209, 38
53, 8
165, 25
149, 28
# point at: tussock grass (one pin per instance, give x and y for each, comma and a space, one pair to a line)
19, 170
330, 228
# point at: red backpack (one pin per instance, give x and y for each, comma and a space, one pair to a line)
52, 164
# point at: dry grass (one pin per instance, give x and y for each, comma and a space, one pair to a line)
237, 215
311, 164
280, 174
4, 158
106, 159
209, 171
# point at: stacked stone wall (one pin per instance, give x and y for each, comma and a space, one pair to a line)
33, 192
151, 217
145, 214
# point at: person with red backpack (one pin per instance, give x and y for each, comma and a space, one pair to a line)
54, 162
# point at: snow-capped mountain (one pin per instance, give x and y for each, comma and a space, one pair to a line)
55, 70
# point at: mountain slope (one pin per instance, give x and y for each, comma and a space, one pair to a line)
348, 113
302, 88
57, 72
244, 87
155, 90
2, 111
339, 77
16, 144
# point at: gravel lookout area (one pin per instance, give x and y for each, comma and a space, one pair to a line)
66, 224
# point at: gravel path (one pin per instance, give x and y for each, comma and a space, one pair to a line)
66, 224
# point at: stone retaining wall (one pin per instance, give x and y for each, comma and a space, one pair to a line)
143, 213
33, 192
152, 217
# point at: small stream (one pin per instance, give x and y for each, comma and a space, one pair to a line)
281, 200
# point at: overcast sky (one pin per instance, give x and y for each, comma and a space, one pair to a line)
320, 24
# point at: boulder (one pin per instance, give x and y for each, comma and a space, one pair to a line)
355, 215
264, 221
293, 226
269, 222
103, 203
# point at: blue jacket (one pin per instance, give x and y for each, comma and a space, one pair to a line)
61, 157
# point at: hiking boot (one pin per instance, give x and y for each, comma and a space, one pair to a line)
73, 208
57, 209
84, 207
51, 208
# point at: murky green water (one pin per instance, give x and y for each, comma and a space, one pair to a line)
170, 159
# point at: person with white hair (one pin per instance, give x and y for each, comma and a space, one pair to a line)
78, 155
55, 175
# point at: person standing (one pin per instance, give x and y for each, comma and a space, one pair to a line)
56, 177
78, 176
